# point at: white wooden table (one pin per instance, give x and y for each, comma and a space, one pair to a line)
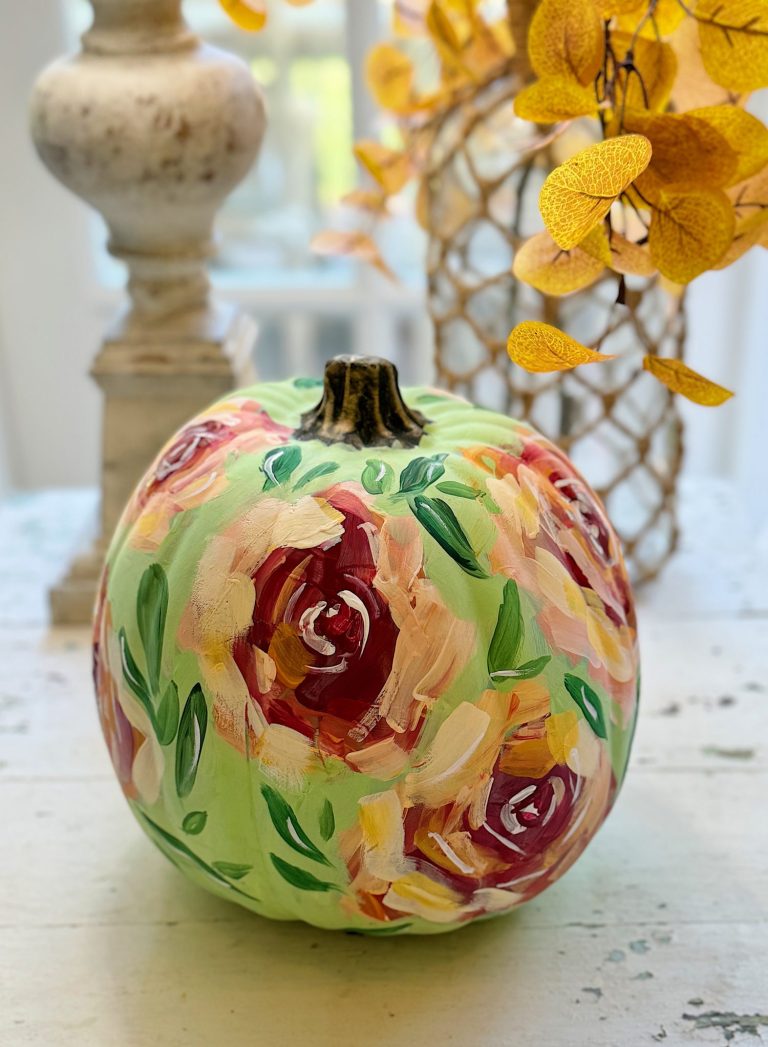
658, 934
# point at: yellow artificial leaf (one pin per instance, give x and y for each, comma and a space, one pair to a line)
750, 231
505, 41
734, 42
693, 87
553, 99
484, 49
340, 244
630, 258
752, 193
685, 149
610, 8
252, 14
541, 348
467, 45
670, 288
650, 86
566, 39
691, 229
390, 168
667, 16
389, 74
447, 208
447, 30
596, 244
409, 17
246, 14
578, 194
371, 200
618, 253
545, 266
678, 377
750, 202
745, 134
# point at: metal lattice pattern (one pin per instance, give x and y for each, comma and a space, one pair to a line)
619, 425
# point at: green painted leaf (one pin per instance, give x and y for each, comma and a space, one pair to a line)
489, 504
151, 611
420, 473
134, 677
300, 878
314, 474
377, 476
327, 821
523, 672
287, 825
167, 719
508, 634
307, 383
588, 702
232, 870
432, 398
180, 849
279, 465
458, 490
194, 822
438, 519
189, 744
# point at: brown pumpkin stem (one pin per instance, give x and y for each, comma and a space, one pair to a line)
362, 406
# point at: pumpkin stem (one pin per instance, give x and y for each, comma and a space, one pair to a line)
362, 406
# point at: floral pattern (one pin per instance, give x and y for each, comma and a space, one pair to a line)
133, 748
391, 690
190, 469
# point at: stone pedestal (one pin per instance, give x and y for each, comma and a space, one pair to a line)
150, 389
153, 128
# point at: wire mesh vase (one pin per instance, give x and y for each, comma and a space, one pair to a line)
620, 426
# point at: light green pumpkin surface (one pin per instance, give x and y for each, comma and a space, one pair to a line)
519, 575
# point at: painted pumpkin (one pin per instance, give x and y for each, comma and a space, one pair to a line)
370, 664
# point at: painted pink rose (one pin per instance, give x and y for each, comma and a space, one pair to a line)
553, 538
190, 470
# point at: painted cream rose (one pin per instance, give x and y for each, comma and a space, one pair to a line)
554, 539
136, 755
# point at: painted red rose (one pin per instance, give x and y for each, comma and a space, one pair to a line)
329, 633
523, 818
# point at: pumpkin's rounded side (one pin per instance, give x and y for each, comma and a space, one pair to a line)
387, 689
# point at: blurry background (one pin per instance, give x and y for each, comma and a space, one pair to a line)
59, 288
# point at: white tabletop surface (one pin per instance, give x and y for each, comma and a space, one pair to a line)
659, 934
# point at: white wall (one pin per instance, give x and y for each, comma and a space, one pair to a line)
49, 407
